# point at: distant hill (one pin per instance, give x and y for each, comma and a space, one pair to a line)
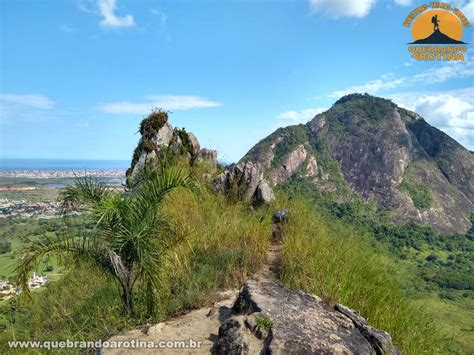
437, 37
390, 156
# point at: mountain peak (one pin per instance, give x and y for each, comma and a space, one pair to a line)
387, 155
359, 97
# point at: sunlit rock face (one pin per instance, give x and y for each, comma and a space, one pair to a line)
386, 154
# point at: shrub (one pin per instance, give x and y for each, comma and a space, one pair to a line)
263, 322
151, 124
148, 146
186, 144
5, 247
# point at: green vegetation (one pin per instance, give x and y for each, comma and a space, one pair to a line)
149, 127
148, 146
41, 194
5, 247
22, 232
184, 137
263, 322
420, 193
292, 137
409, 280
82, 305
151, 124
343, 252
46, 188
438, 267
315, 145
131, 234
367, 108
339, 264
216, 245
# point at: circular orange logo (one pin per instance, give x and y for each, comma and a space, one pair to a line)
436, 22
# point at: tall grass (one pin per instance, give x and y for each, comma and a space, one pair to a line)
222, 243
326, 258
219, 244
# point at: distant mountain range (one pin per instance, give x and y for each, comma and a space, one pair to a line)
386, 154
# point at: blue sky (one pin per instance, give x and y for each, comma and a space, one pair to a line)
78, 76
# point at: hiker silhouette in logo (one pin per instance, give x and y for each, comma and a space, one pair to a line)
435, 22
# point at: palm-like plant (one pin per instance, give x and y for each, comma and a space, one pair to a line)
132, 235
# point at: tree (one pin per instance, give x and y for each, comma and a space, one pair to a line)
131, 235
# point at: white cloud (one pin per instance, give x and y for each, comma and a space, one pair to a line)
31, 101
451, 70
342, 8
296, 117
161, 16
451, 111
403, 2
107, 10
167, 102
27, 108
385, 82
389, 81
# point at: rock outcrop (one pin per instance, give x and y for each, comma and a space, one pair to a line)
159, 139
287, 321
386, 154
245, 180
208, 156
291, 164
265, 317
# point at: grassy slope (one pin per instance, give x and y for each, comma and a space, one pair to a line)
329, 259
220, 244
455, 316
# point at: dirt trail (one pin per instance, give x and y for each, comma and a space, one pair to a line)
201, 325
271, 268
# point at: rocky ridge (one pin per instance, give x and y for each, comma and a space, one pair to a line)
266, 317
160, 141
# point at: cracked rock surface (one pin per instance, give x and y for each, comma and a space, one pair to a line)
293, 322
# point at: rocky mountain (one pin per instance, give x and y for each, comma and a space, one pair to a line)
388, 155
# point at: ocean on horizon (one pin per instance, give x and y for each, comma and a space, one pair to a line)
62, 164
